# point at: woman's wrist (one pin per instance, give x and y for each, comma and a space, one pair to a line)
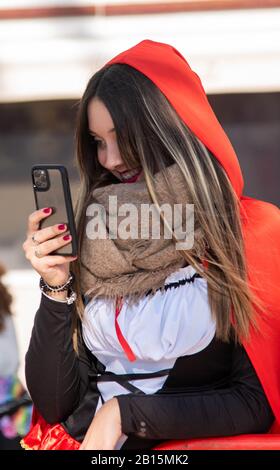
62, 297
57, 295
45, 287
61, 293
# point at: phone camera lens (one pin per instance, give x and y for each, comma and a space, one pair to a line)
41, 180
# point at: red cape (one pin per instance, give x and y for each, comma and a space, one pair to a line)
171, 73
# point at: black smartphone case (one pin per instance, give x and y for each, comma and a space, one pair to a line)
57, 196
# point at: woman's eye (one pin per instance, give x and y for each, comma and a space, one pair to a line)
99, 143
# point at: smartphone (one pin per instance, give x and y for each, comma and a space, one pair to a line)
51, 189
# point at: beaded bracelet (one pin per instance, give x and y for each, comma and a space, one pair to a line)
71, 297
44, 286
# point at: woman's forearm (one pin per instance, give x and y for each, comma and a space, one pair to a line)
52, 369
220, 413
240, 408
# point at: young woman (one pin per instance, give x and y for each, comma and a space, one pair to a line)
161, 343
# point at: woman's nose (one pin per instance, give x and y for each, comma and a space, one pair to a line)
114, 160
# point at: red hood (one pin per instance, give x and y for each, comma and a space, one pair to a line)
168, 69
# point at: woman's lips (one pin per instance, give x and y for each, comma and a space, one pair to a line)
132, 179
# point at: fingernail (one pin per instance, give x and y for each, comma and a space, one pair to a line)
66, 237
61, 227
47, 210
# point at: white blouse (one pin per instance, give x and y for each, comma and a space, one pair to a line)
159, 329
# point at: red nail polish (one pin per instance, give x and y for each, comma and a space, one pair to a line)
47, 210
66, 237
61, 227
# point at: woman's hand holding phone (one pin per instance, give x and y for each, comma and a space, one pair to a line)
54, 269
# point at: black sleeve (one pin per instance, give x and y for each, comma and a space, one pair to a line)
56, 377
240, 409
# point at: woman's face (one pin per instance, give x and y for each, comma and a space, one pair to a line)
101, 127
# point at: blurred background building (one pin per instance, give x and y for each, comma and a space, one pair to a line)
50, 48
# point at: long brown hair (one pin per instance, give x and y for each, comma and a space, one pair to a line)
5, 299
150, 133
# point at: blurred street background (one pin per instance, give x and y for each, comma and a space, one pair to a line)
50, 48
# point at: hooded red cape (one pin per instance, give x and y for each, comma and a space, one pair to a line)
171, 73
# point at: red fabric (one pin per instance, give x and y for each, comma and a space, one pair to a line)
242, 442
171, 73
44, 436
124, 344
